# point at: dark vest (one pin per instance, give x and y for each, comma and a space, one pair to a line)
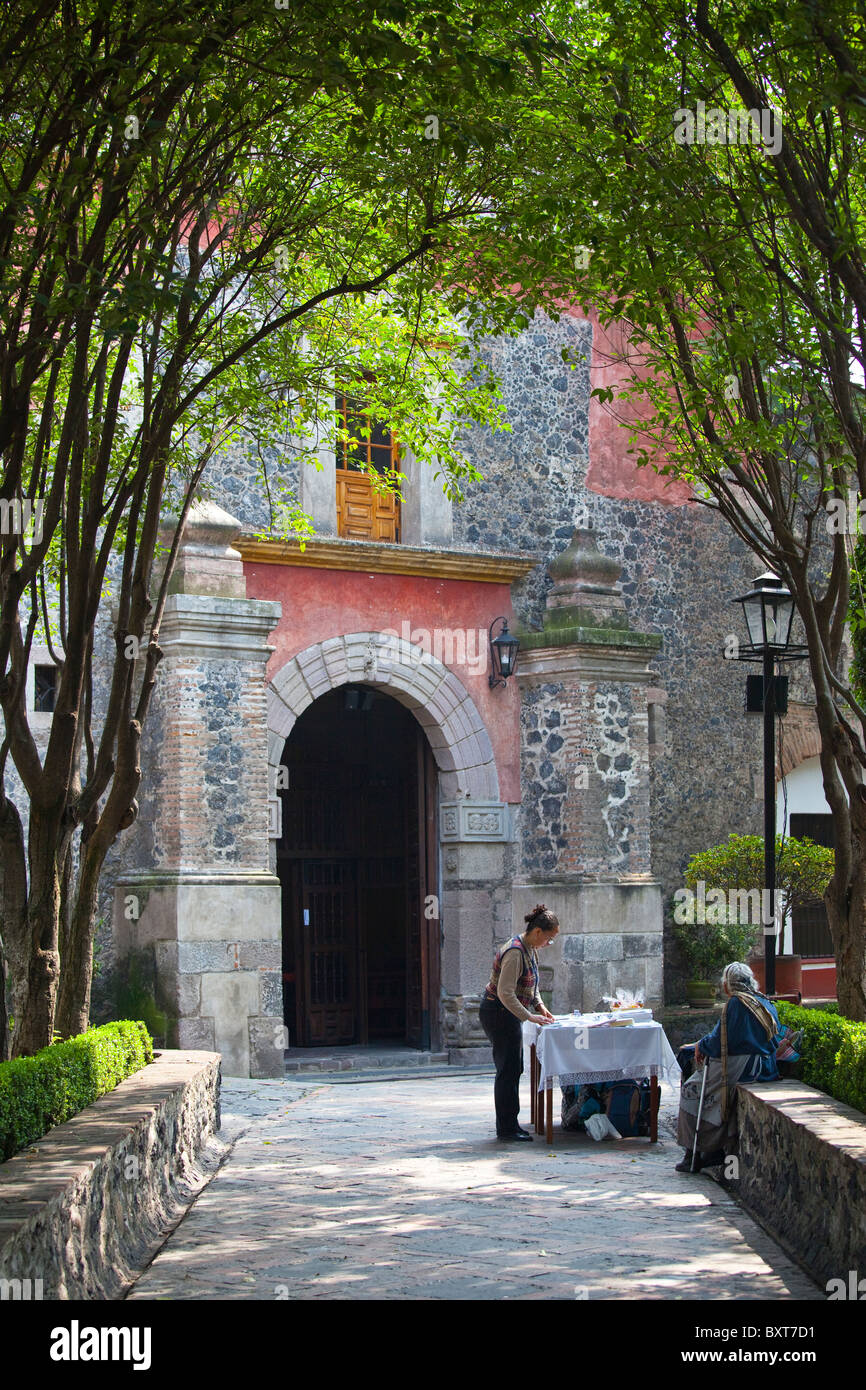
527, 985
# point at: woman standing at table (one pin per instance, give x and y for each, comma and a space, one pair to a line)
741, 1047
510, 997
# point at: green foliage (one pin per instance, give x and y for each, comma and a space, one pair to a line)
728, 274
37, 1093
206, 230
803, 869
857, 619
712, 933
709, 946
833, 1052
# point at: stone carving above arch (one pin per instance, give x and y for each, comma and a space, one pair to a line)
439, 701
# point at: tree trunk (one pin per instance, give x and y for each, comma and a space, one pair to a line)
13, 916
35, 1027
4, 1019
73, 1004
846, 915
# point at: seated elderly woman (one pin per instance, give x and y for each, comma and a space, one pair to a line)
741, 1047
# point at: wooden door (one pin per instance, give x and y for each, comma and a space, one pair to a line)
810, 927
423, 923
362, 512
358, 861
317, 860
329, 950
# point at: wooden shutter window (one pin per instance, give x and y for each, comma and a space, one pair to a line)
362, 512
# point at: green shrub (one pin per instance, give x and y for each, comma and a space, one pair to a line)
37, 1093
833, 1052
708, 947
803, 869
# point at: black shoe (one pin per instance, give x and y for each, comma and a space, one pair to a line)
685, 1166
714, 1160
519, 1136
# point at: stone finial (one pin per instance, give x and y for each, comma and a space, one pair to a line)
206, 562
586, 590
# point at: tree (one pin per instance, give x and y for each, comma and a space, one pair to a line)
804, 871
729, 250
202, 225
721, 915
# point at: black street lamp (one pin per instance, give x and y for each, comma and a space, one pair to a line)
503, 653
768, 609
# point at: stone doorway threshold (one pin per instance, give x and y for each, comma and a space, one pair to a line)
377, 1061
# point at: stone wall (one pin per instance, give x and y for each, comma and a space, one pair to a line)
476, 911
85, 1209
586, 849
681, 567
196, 908
685, 731
802, 1174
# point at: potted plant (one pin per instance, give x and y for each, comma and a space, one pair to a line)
724, 891
708, 946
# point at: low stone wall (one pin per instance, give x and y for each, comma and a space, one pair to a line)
802, 1174
84, 1209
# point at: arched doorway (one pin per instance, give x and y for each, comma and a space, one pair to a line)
358, 867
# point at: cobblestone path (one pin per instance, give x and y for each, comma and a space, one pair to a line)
398, 1190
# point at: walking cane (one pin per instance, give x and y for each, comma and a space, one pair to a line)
700, 1112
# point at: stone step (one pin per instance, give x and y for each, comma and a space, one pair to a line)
301, 1062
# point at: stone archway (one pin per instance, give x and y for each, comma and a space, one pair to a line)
801, 738
439, 701
475, 828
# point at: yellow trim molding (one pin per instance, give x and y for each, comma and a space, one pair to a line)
380, 557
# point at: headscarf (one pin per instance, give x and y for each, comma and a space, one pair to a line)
743, 986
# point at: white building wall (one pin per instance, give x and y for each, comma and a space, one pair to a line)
800, 793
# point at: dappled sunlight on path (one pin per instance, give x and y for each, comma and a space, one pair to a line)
394, 1190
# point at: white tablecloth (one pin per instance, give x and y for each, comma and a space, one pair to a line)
572, 1054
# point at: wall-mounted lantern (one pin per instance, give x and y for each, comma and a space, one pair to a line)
503, 654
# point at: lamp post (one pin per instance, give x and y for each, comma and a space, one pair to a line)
503, 653
768, 609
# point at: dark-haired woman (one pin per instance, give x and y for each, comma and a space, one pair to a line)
510, 997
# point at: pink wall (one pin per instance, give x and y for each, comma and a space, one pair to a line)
323, 603
612, 471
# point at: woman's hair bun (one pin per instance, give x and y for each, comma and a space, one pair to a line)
542, 917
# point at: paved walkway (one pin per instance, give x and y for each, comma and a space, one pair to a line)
397, 1190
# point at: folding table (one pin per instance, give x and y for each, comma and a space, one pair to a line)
572, 1052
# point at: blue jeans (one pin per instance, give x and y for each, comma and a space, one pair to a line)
506, 1038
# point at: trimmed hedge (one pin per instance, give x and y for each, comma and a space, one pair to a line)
833, 1053
39, 1092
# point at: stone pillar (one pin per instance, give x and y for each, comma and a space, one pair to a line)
201, 912
478, 864
585, 817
